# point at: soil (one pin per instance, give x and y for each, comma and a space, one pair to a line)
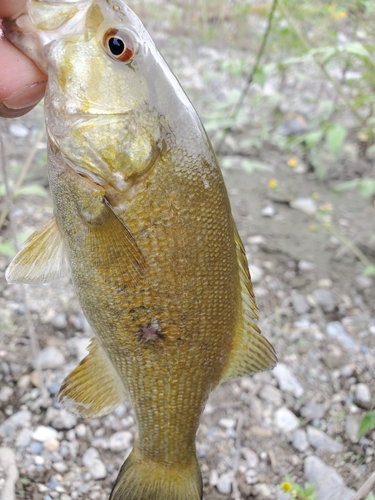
292, 254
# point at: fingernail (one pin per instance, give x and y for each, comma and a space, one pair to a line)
26, 97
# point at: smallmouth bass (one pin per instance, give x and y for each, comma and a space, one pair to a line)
142, 221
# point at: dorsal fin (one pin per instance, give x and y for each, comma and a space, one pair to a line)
42, 258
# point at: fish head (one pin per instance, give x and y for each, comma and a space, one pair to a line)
108, 106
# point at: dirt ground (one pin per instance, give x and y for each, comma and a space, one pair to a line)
305, 281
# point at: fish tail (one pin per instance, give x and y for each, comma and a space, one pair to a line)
143, 479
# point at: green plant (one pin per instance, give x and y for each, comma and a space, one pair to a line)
297, 492
367, 423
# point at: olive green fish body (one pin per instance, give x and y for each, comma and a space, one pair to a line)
142, 221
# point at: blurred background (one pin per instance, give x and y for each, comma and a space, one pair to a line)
286, 91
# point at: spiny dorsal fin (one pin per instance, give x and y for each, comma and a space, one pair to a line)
42, 258
93, 389
112, 243
251, 352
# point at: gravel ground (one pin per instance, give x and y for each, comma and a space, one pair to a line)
316, 308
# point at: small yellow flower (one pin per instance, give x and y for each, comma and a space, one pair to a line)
286, 486
327, 207
292, 162
272, 183
315, 195
340, 14
313, 228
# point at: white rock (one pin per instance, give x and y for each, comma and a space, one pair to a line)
306, 205
224, 484
329, 483
8, 465
19, 419
268, 211
287, 380
285, 420
43, 433
51, 357
63, 420
362, 396
93, 464
213, 478
18, 130
299, 440
227, 423
256, 273
120, 441
252, 459
319, 440
6, 393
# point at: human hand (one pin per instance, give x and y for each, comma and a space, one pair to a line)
22, 83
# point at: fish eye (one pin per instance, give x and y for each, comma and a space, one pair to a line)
119, 45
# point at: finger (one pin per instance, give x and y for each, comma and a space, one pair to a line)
10, 8
22, 83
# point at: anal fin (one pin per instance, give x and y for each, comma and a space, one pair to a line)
42, 258
93, 389
251, 352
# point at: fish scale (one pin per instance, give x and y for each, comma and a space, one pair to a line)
142, 221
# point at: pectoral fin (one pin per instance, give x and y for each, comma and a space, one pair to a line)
42, 258
111, 242
93, 389
251, 352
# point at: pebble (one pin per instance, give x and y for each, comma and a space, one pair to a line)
256, 273
362, 396
329, 483
120, 441
299, 303
336, 330
363, 282
36, 448
213, 478
18, 130
227, 423
19, 419
320, 441
286, 420
43, 433
91, 460
313, 410
287, 381
63, 420
51, 357
305, 265
352, 423
60, 467
325, 299
268, 211
24, 438
81, 431
8, 465
272, 394
252, 459
299, 440
224, 484
59, 321
6, 393
306, 205
51, 445
80, 346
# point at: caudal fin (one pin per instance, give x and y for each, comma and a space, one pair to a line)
143, 479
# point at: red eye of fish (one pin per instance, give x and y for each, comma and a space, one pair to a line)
119, 45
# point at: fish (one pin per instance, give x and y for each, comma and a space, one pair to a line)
142, 222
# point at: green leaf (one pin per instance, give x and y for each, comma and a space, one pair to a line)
346, 186
366, 187
7, 249
2, 189
357, 49
32, 189
370, 496
369, 271
260, 77
367, 423
335, 138
251, 166
313, 138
